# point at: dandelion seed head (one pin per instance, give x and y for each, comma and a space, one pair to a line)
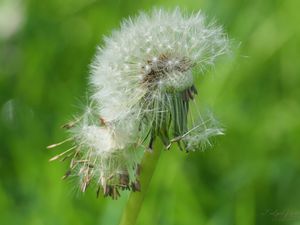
142, 83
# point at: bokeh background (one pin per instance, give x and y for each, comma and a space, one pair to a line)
251, 176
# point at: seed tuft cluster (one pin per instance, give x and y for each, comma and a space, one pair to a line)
142, 87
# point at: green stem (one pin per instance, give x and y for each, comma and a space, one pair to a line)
135, 201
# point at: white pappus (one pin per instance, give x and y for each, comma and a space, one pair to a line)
142, 85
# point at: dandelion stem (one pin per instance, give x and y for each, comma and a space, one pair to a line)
135, 201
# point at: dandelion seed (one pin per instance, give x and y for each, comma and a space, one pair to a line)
142, 86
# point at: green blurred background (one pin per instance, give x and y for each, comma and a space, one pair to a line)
251, 176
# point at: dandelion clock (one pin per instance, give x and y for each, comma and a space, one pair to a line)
142, 91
